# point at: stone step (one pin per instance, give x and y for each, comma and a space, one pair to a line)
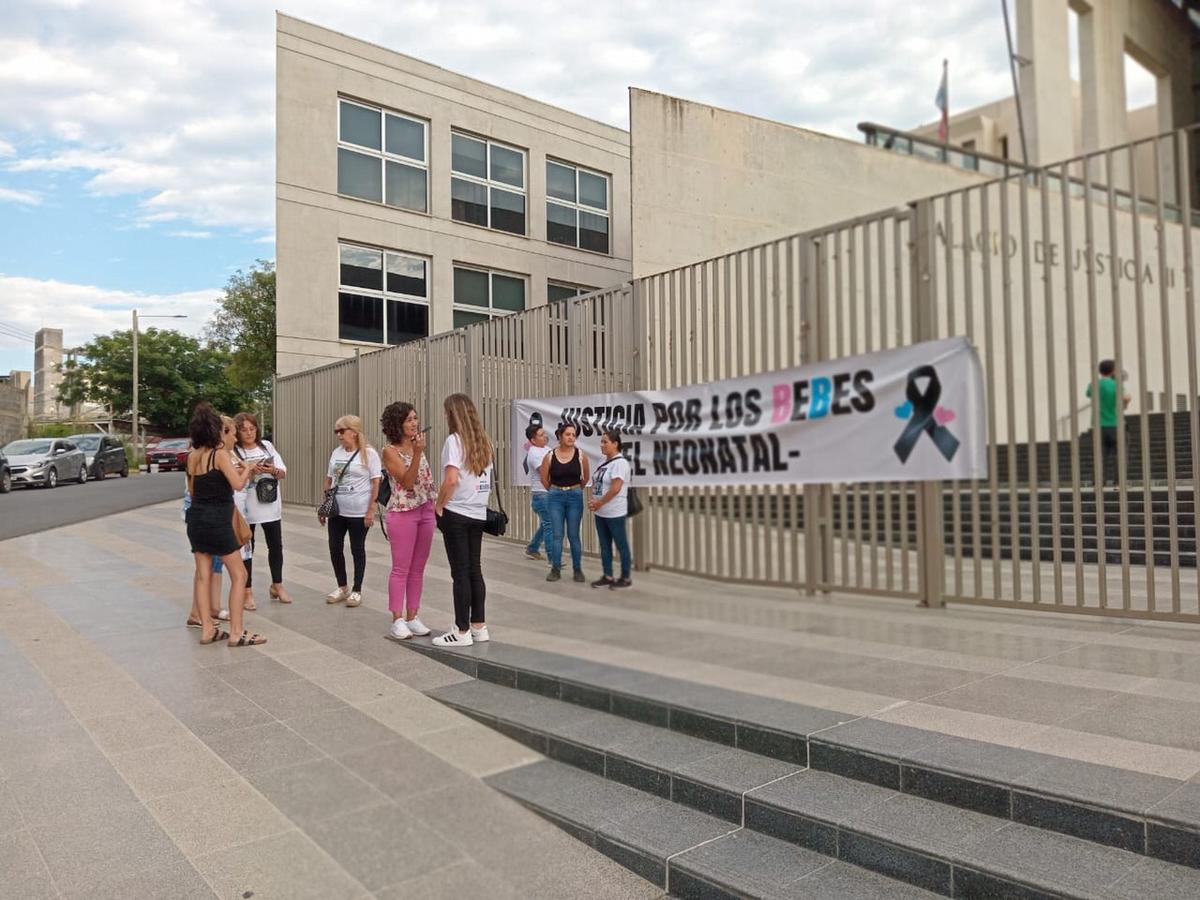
687, 853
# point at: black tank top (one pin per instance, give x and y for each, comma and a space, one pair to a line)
568, 474
211, 487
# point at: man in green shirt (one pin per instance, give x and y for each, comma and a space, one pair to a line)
1109, 390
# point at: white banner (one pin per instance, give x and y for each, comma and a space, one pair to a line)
911, 414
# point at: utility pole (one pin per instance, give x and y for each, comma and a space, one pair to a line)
1013, 59
137, 456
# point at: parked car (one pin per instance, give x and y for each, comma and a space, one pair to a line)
104, 454
45, 462
170, 454
5, 475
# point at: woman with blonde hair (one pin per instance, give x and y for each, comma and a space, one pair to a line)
354, 473
461, 510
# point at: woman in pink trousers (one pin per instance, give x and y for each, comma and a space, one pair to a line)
410, 520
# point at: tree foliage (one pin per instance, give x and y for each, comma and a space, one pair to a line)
175, 372
245, 323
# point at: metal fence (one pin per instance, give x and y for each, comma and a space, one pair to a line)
1046, 271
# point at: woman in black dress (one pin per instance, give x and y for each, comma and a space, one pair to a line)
213, 478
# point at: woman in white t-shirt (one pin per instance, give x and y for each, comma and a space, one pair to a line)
260, 454
610, 503
461, 510
355, 469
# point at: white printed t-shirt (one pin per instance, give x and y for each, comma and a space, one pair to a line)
533, 459
354, 492
254, 510
471, 494
602, 481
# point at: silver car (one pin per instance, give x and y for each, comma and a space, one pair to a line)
45, 462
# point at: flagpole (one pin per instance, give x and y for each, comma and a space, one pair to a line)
946, 110
1012, 65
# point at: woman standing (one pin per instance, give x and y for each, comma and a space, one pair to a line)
609, 501
267, 465
410, 517
355, 470
214, 478
564, 473
461, 510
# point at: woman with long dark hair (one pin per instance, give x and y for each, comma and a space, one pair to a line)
410, 518
355, 469
266, 465
213, 478
461, 510
610, 505
564, 473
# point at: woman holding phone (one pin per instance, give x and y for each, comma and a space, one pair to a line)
410, 517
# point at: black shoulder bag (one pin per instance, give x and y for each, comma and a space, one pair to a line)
496, 522
266, 488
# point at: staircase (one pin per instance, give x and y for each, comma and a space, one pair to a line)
711, 793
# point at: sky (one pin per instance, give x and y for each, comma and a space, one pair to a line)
137, 136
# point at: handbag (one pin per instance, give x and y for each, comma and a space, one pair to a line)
266, 488
241, 528
328, 507
496, 521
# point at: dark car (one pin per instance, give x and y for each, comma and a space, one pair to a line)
105, 454
5, 475
170, 454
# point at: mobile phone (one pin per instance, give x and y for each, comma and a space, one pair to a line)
427, 428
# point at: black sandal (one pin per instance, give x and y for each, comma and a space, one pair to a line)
219, 636
248, 640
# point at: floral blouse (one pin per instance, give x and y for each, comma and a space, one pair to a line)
423, 490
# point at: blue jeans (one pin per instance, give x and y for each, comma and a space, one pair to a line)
612, 531
565, 510
540, 501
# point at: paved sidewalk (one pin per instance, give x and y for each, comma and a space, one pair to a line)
138, 763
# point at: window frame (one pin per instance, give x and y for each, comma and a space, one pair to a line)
578, 207
384, 295
488, 183
382, 154
490, 311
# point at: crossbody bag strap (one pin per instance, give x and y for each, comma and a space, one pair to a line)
345, 468
496, 479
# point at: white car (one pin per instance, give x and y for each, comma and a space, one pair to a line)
45, 462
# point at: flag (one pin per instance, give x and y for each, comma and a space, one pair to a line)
942, 102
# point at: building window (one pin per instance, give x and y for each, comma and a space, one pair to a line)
1004, 146
383, 297
382, 156
556, 293
487, 185
577, 207
480, 294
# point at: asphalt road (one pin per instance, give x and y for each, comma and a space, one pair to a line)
26, 510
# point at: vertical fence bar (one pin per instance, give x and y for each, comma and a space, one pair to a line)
1052, 384
1033, 469
1164, 303
1098, 472
1011, 418
1122, 455
1182, 171
1073, 380
1144, 418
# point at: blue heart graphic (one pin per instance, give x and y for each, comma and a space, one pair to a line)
904, 410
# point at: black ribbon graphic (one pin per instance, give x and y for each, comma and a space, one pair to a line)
924, 405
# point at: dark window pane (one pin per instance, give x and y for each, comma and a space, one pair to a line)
470, 287
405, 137
405, 186
468, 202
560, 181
560, 225
593, 190
360, 318
593, 232
361, 268
557, 292
468, 156
406, 275
508, 293
359, 175
508, 211
463, 318
508, 166
359, 126
406, 322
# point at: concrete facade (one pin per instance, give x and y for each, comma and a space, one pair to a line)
15, 405
316, 68
47, 357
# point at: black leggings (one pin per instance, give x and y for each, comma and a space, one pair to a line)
463, 538
273, 531
338, 526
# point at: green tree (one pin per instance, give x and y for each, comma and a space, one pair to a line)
175, 372
245, 323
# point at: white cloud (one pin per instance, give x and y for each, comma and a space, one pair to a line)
199, 235
7, 149
173, 103
83, 310
26, 198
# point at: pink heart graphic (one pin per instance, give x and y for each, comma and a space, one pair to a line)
943, 416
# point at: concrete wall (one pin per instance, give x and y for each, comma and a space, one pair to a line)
14, 409
707, 181
314, 67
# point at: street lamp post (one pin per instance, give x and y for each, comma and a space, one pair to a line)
137, 429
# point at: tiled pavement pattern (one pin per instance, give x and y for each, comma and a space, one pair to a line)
137, 763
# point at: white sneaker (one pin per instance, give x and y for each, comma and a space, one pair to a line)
399, 631
417, 627
337, 595
453, 639
354, 598
479, 635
